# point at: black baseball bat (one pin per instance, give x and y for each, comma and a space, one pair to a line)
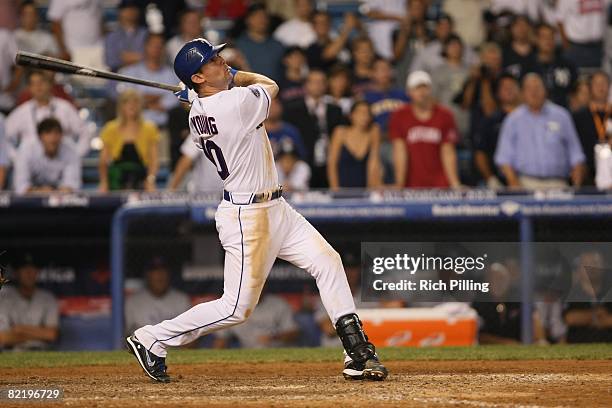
29, 59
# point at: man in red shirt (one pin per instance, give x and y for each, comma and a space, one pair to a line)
424, 136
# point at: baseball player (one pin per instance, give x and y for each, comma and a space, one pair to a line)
255, 224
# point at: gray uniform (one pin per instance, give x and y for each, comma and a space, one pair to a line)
142, 308
41, 310
35, 169
272, 316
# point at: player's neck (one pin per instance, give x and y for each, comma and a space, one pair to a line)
208, 90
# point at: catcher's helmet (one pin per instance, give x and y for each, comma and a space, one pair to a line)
192, 56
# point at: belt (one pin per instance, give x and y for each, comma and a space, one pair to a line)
254, 198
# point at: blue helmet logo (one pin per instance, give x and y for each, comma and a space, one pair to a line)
192, 56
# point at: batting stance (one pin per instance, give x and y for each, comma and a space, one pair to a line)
255, 224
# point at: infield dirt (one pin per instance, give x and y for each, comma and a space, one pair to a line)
549, 383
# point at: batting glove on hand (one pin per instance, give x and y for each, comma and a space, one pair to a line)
185, 95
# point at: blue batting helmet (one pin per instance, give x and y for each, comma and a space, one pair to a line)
192, 56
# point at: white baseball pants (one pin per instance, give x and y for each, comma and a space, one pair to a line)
253, 236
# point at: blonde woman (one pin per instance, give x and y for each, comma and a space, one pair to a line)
129, 158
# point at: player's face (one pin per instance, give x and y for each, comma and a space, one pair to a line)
215, 73
27, 276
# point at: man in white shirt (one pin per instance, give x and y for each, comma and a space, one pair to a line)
29, 37
48, 165
21, 123
293, 173
157, 102
298, 31
9, 80
582, 25
77, 27
385, 16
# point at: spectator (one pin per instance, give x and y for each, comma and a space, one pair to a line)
77, 27
519, 56
538, 145
10, 75
478, 95
129, 158
21, 123
326, 51
157, 102
430, 57
582, 28
385, 17
161, 16
382, 96
256, 42
4, 157
297, 31
29, 37
588, 314
204, 174
156, 302
354, 152
292, 82
57, 90
9, 15
535, 10
315, 119
363, 57
270, 325
279, 131
49, 165
225, 9
340, 90
468, 18
293, 172
509, 97
580, 95
190, 27
423, 134
558, 73
448, 79
593, 121
125, 45
411, 37
29, 317
500, 320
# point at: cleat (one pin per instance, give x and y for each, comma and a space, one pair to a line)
153, 366
372, 370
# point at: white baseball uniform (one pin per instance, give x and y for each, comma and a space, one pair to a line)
228, 126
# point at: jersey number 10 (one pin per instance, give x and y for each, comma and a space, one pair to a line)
214, 154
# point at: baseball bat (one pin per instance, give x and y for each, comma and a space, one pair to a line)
29, 59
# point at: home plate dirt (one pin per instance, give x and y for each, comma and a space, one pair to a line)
487, 384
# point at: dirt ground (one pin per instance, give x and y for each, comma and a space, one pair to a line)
486, 384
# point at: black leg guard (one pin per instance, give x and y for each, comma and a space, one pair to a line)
354, 339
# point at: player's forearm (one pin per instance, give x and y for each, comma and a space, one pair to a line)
243, 78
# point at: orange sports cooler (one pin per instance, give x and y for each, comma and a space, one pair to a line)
421, 327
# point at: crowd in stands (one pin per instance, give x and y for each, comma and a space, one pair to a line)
401, 93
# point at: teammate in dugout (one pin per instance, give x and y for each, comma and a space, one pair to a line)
255, 224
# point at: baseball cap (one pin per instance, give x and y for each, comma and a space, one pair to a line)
418, 78
192, 56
